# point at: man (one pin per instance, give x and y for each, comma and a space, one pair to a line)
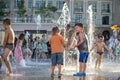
8, 44
82, 46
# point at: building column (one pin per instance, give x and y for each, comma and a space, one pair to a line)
99, 17
12, 10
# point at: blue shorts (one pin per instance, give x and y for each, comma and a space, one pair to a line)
57, 58
83, 57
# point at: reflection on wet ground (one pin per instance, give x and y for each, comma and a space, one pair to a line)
41, 71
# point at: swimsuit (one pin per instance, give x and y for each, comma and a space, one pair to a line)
100, 53
10, 46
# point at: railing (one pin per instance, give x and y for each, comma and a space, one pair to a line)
28, 20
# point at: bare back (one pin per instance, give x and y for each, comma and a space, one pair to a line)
10, 35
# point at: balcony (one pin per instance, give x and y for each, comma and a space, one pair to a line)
29, 20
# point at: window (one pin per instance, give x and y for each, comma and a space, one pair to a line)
78, 18
59, 4
39, 3
105, 20
81, 7
17, 2
7, 4
78, 7
49, 3
30, 4
106, 7
94, 6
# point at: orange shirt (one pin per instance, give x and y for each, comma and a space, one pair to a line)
56, 42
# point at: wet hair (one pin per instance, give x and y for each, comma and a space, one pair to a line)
79, 24
55, 30
7, 21
22, 36
100, 36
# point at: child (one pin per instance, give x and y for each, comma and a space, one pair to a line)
57, 42
18, 56
8, 44
82, 46
100, 45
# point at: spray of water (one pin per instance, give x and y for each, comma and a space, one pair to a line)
91, 29
38, 22
65, 18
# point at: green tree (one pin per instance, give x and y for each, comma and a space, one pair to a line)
2, 9
46, 11
21, 9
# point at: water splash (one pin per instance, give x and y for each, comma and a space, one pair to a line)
38, 22
91, 30
65, 18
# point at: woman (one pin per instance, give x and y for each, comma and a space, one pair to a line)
44, 46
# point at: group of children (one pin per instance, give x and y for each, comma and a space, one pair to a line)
57, 44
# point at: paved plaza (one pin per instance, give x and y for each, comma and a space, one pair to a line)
41, 71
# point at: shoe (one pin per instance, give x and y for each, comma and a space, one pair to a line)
78, 74
84, 74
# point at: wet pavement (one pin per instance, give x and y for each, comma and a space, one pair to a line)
41, 71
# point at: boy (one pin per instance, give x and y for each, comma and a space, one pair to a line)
82, 46
8, 44
100, 45
57, 44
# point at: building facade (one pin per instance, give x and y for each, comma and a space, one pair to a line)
105, 12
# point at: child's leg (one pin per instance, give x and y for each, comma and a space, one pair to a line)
59, 68
53, 69
59, 62
45, 57
81, 67
84, 67
6, 60
54, 62
99, 60
96, 62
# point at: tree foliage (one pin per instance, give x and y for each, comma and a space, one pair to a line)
46, 10
2, 8
21, 8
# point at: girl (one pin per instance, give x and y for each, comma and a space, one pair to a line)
18, 56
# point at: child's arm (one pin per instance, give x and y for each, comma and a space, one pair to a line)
80, 41
93, 47
5, 39
107, 48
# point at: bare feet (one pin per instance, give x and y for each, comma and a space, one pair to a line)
10, 74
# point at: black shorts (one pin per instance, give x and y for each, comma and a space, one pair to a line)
10, 46
100, 53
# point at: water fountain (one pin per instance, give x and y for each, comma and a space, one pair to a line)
91, 29
38, 22
63, 20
